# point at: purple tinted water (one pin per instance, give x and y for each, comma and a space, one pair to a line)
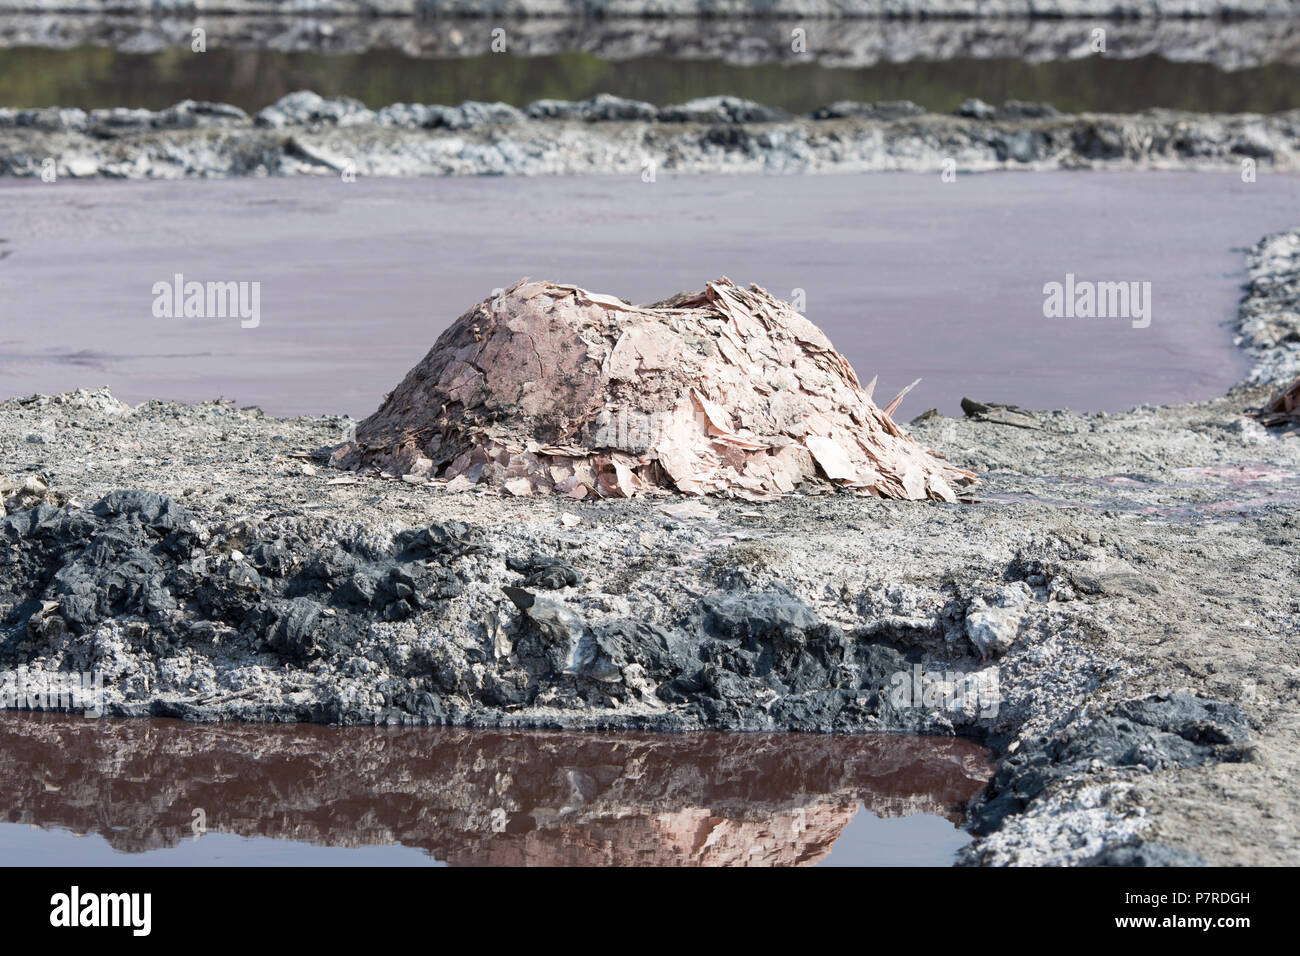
909, 276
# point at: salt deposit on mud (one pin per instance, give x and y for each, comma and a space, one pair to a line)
1119, 562
306, 134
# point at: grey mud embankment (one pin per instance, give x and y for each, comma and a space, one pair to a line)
306, 134
758, 9
843, 42
1116, 614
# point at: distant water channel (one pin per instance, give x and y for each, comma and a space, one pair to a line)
94, 77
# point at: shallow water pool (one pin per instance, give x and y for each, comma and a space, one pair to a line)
81, 791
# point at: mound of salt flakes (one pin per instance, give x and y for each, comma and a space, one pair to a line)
551, 388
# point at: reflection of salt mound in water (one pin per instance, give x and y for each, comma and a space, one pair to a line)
693, 837
552, 388
479, 797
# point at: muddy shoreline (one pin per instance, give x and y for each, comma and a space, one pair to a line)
1164, 569
1125, 582
304, 133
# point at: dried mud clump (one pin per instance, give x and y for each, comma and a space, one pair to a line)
1284, 408
551, 388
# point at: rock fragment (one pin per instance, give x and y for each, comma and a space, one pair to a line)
1284, 408
849, 109
993, 621
975, 108
999, 414
21, 494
